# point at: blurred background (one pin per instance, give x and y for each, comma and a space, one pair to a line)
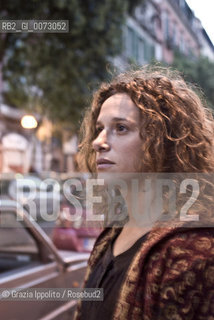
47, 79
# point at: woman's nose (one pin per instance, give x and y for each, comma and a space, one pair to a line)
101, 142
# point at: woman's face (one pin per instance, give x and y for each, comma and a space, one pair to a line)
118, 143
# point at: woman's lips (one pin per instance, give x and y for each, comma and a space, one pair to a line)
104, 164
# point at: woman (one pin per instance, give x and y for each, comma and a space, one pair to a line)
150, 121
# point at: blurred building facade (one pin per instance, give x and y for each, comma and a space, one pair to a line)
33, 150
142, 36
206, 45
20, 150
178, 30
155, 30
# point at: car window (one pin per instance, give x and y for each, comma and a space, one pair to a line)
17, 246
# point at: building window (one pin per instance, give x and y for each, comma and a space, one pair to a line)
129, 41
137, 48
131, 44
166, 25
174, 35
182, 49
178, 40
132, 50
141, 48
152, 51
149, 52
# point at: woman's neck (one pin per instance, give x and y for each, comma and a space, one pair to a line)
141, 207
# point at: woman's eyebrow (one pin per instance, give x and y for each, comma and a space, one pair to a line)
115, 119
120, 119
124, 120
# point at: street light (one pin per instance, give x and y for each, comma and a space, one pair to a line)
29, 122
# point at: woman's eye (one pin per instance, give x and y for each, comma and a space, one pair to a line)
121, 128
98, 130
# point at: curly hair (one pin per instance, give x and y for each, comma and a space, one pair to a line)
177, 130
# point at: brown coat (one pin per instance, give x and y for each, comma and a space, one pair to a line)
170, 277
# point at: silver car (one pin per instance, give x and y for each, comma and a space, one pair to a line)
28, 259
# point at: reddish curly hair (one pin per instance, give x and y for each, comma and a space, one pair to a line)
177, 130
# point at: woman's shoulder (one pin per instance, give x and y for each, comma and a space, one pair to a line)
188, 250
182, 266
186, 242
199, 240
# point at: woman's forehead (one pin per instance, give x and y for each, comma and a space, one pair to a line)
119, 105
